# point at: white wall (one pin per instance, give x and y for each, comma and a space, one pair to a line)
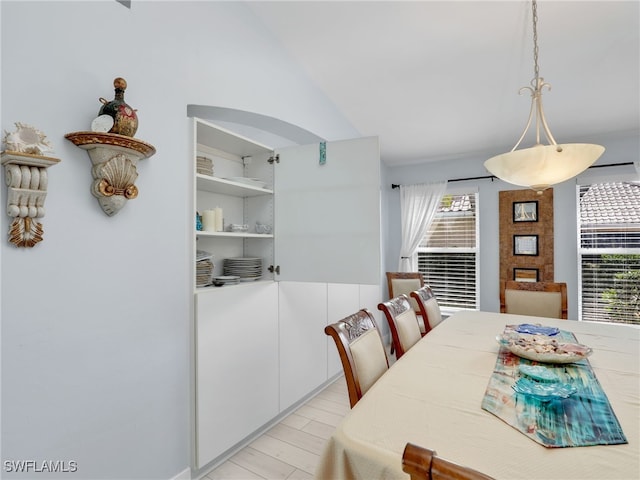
620, 147
95, 319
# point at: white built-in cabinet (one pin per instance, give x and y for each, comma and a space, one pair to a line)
236, 344
260, 347
307, 358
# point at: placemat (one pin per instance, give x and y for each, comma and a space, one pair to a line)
584, 418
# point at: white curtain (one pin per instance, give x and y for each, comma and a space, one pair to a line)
418, 207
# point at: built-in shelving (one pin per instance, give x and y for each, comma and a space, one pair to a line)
242, 201
325, 253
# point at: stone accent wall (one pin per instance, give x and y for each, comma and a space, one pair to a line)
543, 228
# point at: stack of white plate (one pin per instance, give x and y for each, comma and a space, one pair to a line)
204, 165
226, 280
246, 268
204, 268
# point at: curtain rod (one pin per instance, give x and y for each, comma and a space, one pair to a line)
395, 185
611, 165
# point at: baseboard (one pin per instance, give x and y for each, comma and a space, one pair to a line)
183, 475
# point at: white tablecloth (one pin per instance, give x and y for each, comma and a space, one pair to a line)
432, 397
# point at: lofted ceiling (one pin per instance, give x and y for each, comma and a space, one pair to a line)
440, 79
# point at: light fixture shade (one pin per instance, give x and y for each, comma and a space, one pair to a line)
541, 166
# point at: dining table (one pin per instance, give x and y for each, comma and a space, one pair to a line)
433, 396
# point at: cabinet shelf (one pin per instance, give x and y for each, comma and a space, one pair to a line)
201, 233
213, 288
227, 141
226, 187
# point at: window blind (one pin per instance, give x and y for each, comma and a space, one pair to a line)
447, 256
609, 252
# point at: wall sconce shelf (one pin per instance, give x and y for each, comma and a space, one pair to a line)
114, 159
26, 179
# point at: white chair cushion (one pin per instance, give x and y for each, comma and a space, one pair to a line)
369, 359
538, 304
423, 329
433, 312
406, 286
408, 329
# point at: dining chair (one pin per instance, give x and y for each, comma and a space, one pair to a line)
540, 299
424, 464
403, 323
361, 352
429, 307
400, 283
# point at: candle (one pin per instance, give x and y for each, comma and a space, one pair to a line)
219, 218
209, 221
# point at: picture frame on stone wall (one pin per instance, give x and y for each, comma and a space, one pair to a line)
526, 274
525, 211
525, 245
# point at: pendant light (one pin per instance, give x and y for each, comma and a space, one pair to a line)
541, 166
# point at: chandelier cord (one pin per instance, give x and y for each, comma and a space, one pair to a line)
536, 69
537, 82
536, 93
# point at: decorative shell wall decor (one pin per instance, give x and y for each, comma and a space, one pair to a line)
113, 151
26, 178
27, 139
114, 159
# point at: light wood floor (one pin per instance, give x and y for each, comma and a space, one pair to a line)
291, 449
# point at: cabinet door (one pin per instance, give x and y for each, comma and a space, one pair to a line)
236, 365
328, 215
303, 345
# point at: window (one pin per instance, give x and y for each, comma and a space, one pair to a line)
448, 255
609, 252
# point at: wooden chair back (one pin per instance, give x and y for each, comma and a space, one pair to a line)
429, 307
416, 461
540, 299
361, 352
400, 283
403, 323
424, 464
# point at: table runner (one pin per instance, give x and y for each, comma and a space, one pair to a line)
584, 418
